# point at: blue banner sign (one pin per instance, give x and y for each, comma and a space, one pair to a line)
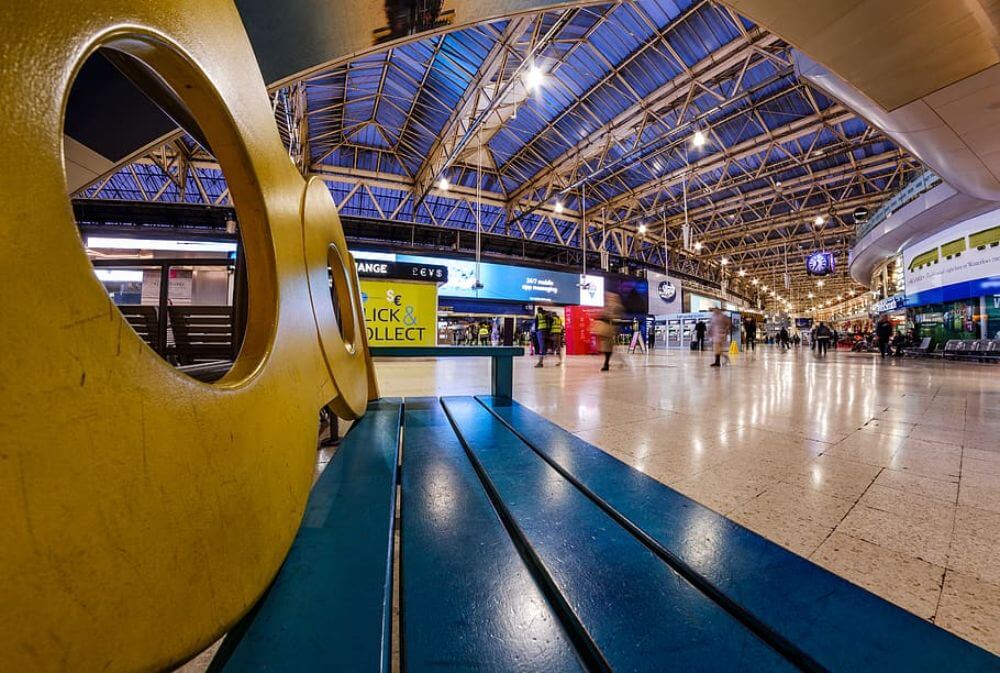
888, 304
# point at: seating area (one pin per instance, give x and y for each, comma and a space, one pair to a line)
191, 335
978, 350
522, 547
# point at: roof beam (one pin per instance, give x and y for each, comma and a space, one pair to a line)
657, 103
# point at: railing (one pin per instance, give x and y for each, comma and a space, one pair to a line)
910, 191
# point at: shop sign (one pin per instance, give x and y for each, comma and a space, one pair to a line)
399, 313
432, 273
888, 304
664, 293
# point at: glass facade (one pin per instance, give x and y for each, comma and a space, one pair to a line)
993, 317
951, 320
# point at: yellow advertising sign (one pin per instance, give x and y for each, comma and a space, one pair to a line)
399, 312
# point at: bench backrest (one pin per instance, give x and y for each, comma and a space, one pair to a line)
144, 320
202, 332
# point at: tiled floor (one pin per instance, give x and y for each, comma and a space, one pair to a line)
887, 473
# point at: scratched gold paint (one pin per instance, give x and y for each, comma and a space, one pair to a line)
144, 512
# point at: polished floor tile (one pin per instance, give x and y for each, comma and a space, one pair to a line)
909, 582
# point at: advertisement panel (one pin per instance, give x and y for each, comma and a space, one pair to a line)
664, 293
592, 291
399, 312
510, 283
966, 252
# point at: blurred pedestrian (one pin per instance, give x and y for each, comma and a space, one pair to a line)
719, 328
603, 327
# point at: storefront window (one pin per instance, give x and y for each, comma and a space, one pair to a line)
993, 316
953, 320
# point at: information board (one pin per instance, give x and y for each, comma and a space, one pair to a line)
399, 312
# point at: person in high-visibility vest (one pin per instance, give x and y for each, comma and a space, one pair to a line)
558, 330
484, 334
543, 327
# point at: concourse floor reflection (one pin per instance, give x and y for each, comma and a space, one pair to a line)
887, 473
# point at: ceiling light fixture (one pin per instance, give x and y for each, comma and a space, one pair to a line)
698, 139
819, 221
742, 272
697, 245
559, 207
443, 184
723, 261
642, 229
534, 78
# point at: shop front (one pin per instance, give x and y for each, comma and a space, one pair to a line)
952, 282
488, 303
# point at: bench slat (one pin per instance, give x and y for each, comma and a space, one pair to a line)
839, 625
468, 601
330, 607
640, 614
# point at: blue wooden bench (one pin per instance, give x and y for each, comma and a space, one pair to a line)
523, 548
501, 360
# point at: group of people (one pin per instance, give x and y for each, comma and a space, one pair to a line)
550, 331
482, 333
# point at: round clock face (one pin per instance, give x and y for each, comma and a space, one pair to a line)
818, 264
666, 290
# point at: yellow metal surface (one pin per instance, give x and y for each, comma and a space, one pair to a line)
143, 511
895, 51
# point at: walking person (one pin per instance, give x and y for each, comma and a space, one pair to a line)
603, 328
699, 332
823, 336
783, 338
543, 326
558, 331
750, 327
719, 329
884, 333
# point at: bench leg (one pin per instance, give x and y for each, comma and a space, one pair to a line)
502, 377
